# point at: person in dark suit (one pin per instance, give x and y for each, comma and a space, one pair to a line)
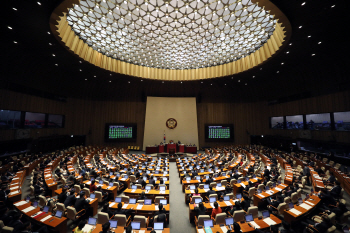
319, 171
63, 196
119, 210
211, 191
200, 209
336, 190
152, 181
106, 209
331, 178
320, 227
16, 223
251, 169
81, 203
266, 172
194, 172
141, 182
208, 181
70, 200
306, 172
38, 189
326, 198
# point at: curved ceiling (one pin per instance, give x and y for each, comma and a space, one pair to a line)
313, 62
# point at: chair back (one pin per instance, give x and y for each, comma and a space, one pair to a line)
233, 181
98, 195
294, 198
71, 213
132, 178
223, 182
254, 211
7, 229
238, 215
201, 186
142, 220
212, 184
281, 207
158, 198
196, 197
121, 218
213, 195
87, 192
61, 207
77, 188
125, 199
150, 185
42, 200
287, 200
251, 192
102, 218
201, 219
220, 218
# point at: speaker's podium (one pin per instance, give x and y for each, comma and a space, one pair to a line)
171, 148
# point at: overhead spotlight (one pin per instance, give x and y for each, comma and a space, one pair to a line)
201, 82
246, 84
85, 79
56, 64
253, 76
48, 33
262, 136
333, 6
313, 54
225, 84
128, 81
94, 76
15, 42
141, 80
239, 81
319, 42
181, 82
211, 84
50, 44
300, 26
308, 36
260, 68
277, 71
287, 52
282, 63
162, 81
80, 70
290, 43
110, 81
53, 55
9, 27
80, 62
14, 9
39, 3
303, 3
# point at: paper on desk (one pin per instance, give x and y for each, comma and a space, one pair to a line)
26, 210
243, 185
139, 207
192, 191
310, 203
201, 231
260, 195
133, 190
13, 193
141, 231
112, 204
220, 188
228, 203
254, 224
162, 192
89, 182
16, 187
294, 211
278, 189
305, 206
46, 218
20, 203
270, 192
212, 205
156, 207
224, 229
47, 175
125, 206
269, 221
87, 228
206, 190
15, 178
158, 231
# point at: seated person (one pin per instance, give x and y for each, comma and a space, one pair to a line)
196, 194
104, 194
81, 203
216, 210
105, 209
92, 186
200, 209
119, 210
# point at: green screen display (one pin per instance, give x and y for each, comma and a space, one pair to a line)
219, 132
119, 131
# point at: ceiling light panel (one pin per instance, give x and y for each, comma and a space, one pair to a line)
172, 34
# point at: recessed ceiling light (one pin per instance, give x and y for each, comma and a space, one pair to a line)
48, 33
9, 27
85, 79
300, 26
14, 9
56, 64
53, 55
141, 80
277, 71
110, 74
15, 42
80, 70
333, 6
181, 82
225, 84
308, 36
110, 81
94, 76
253, 76
260, 68
80, 62
163, 82
290, 43
128, 81
50, 44
313, 54
239, 81
303, 3
287, 52
211, 84
246, 84
282, 63
39, 3
319, 42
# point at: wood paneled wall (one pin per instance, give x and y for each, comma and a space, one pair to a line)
87, 117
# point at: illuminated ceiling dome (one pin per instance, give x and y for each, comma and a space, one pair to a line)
172, 39
172, 34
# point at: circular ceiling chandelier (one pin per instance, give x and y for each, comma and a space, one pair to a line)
172, 34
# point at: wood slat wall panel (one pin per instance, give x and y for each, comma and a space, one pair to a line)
86, 117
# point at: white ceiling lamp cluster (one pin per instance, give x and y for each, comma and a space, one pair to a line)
172, 34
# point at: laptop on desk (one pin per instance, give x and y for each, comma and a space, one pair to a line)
158, 227
249, 218
148, 201
208, 223
58, 214
136, 225
114, 223
118, 199
92, 221
229, 221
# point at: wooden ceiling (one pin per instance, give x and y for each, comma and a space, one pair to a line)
29, 65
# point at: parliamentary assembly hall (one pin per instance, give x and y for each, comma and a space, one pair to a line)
175, 116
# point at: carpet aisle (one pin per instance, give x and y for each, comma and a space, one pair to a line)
179, 221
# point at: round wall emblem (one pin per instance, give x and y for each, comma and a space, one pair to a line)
171, 123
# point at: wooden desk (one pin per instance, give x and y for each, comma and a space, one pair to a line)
245, 227
209, 207
237, 187
16, 186
98, 229
259, 197
111, 189
151, 194
290, 217
53, 223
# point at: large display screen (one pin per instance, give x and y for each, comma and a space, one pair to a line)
321, 121
294, 122
342, 121
276, 122
219, 132
120, 132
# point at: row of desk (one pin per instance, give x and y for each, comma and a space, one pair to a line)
171, 147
